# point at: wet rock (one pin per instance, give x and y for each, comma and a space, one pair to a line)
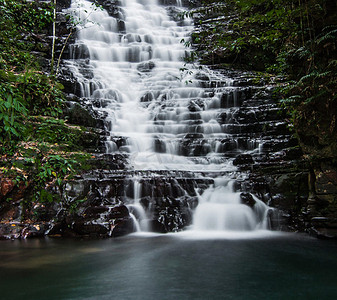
89, 228
119, 212
202, 76
193, 136
80, 51
94, 211
18, 230
79, 115
123, 227
63, 4
293, 153
121, 26
243, 159
171, 214
247, 198
148, 97
31, 231
145, 202
194, 106
116, 161
159, 146
145, 66
44, 212
324, 228
56, 229
276, 220
111, 7
157, 226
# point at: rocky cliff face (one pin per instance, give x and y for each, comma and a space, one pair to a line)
99, 202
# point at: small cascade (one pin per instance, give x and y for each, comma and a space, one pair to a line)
137, 211
183, 130
222, 209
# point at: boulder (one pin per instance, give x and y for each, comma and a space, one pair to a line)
145, 66
247, 199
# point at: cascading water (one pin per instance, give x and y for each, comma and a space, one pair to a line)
165, 114
136, 209
220, 208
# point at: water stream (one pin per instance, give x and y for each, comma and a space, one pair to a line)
167, 115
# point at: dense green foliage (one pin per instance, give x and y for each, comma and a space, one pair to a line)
36, 145
293, 38
25, 90
21, 22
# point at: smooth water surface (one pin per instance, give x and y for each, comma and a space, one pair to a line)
169, 267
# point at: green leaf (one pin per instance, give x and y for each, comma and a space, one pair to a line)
14, 131
7, 104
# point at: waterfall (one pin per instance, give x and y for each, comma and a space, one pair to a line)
168, 116
136, 209
221, 208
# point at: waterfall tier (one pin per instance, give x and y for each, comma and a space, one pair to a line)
182, 129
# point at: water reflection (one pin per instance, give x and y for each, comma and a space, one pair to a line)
167, 267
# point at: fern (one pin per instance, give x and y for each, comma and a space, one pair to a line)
291, 100
331, 35
303, 52
308, 77
323, 75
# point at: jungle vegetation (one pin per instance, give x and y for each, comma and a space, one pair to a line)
37, 145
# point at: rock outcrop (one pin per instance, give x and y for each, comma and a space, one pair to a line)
100, 202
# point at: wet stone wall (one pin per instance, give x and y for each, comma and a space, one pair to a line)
234, 121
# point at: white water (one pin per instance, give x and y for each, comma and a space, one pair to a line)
220, 209
140, 87
150, 39
136, 209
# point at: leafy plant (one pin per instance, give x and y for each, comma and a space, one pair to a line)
21, 21
12, 112
50, 169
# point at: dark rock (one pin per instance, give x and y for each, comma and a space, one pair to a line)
193, 136
80, 51
156, 226
148, 97
145, 202
89, 228
145, 66
243, 159
63, 4
323, 227
119, 212
123, 227
293, 153
247, 198
159, 146
18, 230
94, 211
201, 76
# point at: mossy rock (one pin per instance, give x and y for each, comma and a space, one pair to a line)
78, 115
